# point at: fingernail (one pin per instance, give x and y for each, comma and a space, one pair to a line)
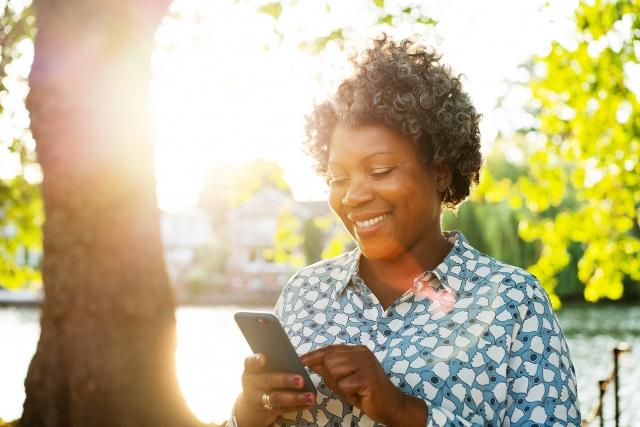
308, 397
297, 381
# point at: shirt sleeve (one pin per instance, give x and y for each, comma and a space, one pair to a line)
541, 382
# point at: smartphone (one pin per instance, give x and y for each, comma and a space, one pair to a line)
265, 335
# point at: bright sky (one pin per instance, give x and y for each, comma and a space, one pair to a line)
222, 96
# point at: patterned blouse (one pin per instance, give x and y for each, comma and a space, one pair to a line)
475, 338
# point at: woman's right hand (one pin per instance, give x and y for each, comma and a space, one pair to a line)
282, 389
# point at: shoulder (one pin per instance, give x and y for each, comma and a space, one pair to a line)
328, 271
332, 269
514, 289
520, 300
314, 284
515, 283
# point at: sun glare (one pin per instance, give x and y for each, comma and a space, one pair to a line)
231, 85
225, 90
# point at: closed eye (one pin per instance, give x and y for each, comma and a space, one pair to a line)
337, 180
380, 172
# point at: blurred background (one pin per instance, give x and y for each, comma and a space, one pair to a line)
557, 83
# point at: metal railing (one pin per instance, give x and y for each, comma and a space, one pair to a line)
597, 410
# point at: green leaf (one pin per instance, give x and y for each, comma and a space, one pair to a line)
387, 19
317, 45
272, 9
426, 21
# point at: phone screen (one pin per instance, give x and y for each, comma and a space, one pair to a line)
265, 334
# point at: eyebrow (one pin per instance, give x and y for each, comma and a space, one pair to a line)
377, 153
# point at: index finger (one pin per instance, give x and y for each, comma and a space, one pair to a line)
315, 357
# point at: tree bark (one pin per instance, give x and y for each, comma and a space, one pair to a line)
106, 354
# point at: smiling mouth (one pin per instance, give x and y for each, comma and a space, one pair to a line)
371, 222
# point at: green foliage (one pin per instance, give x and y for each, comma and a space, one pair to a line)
384, 18
302, 242
339, 240
493, 229
288, 240
21, 210
256, 175
21, 218
16, 24
313, 241
583, 185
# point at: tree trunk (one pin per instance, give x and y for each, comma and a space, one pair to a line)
106, 355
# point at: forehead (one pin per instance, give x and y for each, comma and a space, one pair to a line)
349, 144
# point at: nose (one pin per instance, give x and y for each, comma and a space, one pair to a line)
359, 192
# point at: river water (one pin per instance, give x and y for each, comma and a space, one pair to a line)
211, 350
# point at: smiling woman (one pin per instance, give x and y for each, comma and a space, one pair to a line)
415, 326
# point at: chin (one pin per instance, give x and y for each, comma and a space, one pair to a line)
382, 251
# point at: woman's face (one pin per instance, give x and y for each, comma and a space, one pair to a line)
386, 199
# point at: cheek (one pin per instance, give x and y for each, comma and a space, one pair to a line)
393, 191
335, 203
335, 200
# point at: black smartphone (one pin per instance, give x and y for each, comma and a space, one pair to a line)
265, 334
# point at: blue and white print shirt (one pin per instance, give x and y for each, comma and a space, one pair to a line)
496, 356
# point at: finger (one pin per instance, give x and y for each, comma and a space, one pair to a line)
350, 385
255, 362
273, 380
341, 364
316, 357
327, 378
282, 400
319, 369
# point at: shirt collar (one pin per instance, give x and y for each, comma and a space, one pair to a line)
351, 261
454, 257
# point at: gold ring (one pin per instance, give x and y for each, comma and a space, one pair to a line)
266, 401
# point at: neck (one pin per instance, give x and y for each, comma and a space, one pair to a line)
398, 273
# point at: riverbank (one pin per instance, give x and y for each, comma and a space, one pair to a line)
242, 299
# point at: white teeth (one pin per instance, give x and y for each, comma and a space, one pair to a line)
370, 222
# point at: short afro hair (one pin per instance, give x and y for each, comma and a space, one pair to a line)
404, 86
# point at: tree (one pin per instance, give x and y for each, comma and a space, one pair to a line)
583, 185
106, 354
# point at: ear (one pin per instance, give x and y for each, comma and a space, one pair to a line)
442, 176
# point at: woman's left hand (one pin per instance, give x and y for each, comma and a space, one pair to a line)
354, 373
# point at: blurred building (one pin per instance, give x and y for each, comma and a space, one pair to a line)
250, 236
